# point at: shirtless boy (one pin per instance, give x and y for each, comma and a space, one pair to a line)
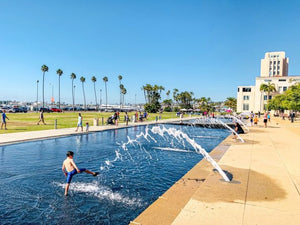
69, 168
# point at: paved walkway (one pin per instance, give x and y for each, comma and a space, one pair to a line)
264, 190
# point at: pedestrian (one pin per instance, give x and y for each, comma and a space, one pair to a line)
41, 119
87, 127
116, 117
69, 168
238, 130
126, 118
255, 120
258, 114
265, 119
292, 116
3, 120
269, 117
251, 120
79, 123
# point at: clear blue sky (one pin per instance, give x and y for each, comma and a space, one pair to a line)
208, 47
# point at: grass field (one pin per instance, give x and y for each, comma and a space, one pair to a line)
21, 122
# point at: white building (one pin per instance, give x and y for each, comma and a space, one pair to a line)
274, 69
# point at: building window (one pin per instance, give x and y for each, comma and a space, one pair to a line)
270, 62
246, 89
274, 68
246, 97
284, 88
278, 72
282, 80
274, 62
238, 89
245, 107
265, 97
280, 89
278, 67
278, 62
270, 97
274, 73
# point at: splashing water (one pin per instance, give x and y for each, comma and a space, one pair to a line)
179, 135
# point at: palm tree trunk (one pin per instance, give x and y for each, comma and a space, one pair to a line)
43, 89
95, 97
106, 94
84, 96
59, 92
73, 94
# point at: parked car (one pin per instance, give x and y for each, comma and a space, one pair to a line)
46, 110
56, 110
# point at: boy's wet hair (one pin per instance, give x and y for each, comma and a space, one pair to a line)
70, 153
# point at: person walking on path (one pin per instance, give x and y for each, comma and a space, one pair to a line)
126, 118
79, 123
3, 120
292, 116
69, 168
265, 119
255, 120
41, 119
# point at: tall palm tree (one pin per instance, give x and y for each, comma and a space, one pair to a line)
124, 91
270, 87
82, 80
44, 69
59, 72
105, 79
73, 77
94, 79
120, 78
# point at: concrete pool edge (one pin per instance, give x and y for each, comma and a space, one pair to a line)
166, 208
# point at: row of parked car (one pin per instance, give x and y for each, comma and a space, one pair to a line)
14, 109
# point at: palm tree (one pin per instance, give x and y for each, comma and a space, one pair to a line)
231, 103
82, 80
123, 91
44, 69
94, 79
73, 76
105, 79
120, 78
59, 72
270, 87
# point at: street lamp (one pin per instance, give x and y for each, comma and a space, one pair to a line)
100, 98
37, 95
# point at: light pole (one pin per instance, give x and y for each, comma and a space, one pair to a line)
100, 98
37, 95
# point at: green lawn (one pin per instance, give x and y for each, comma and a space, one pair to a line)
20, 122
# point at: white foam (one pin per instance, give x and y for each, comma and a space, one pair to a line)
102, 192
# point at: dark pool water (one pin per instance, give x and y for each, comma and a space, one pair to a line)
131, 178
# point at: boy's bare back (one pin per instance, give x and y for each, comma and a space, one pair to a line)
69, 165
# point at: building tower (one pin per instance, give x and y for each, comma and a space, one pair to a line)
275, 64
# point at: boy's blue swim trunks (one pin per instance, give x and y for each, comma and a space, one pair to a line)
72, 173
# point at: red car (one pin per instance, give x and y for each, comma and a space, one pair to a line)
56, 110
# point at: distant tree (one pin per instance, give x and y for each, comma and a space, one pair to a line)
290, 99
59, 72
44, 69
231, 102
185, 99
152, 97
73, 77
167, 105
124, 92
105, 79
82, 80
94, 79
